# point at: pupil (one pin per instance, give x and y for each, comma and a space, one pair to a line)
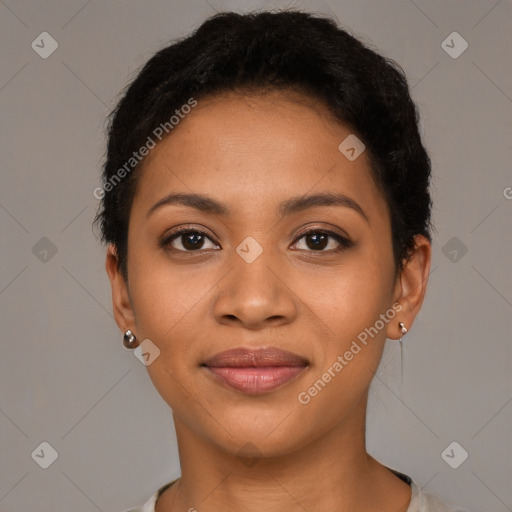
318, 237
189, 243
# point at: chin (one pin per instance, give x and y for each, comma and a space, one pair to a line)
248, 441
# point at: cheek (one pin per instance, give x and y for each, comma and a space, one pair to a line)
351, 349
349, 303
161, 291
164, 305
348, 297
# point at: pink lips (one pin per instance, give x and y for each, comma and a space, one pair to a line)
255, 371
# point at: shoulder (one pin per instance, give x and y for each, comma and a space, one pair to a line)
426, 502
149, 506
422, 501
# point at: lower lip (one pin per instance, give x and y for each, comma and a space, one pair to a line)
256, 380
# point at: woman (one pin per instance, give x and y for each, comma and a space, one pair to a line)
266, 206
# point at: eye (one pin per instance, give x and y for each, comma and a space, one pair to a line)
194, 240
189, 239
318, 240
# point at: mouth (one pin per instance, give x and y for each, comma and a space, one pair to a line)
255, 371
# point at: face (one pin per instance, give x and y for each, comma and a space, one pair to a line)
261, 267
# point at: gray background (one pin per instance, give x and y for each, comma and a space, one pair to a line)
65, 377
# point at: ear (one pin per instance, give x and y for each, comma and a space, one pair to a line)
411, 285
122, 306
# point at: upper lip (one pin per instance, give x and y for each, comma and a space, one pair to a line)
241, 357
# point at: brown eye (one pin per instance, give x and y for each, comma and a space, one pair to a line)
317, 240
189, 239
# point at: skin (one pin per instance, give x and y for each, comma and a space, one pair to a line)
251, 152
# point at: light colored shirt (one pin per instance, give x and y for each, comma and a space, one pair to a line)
420, 501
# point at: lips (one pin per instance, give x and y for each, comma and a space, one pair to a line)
255, 371
246, 358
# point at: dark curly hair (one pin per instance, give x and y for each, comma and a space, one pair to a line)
260, 51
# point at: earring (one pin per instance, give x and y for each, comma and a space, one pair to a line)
404, 331
130, 340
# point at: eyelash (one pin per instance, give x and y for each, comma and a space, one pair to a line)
345, 243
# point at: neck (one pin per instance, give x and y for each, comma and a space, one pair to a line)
331, 472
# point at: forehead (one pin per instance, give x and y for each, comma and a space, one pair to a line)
257, 149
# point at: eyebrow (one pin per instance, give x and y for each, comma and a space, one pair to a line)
293, 205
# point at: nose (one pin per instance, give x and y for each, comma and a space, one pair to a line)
255, 295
